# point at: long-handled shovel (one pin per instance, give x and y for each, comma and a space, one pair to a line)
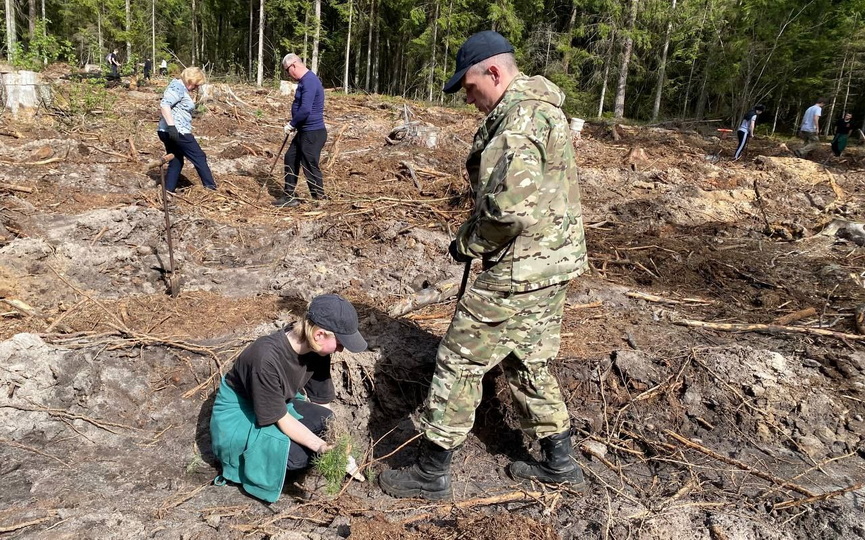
173, 279
275, 161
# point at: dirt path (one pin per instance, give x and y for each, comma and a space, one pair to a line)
685, 430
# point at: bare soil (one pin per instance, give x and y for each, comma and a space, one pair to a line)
685, 431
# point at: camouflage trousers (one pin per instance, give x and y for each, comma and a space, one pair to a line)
519, 330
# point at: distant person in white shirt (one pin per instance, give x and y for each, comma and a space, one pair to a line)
163, 68
746, 129
810, 129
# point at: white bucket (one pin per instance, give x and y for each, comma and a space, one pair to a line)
577, 124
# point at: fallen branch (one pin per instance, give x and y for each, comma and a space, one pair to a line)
407, 166
41, 162
661, 300
769, 329
335, 148
59, 319
23, 307
13, 187
109, 152
15, 527
739, 464
133, 152
590, 305
60, 413
445, 509
818, 498
795, 316
177, 500
34, 450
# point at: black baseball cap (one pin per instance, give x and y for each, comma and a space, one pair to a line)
477, 48
336, 314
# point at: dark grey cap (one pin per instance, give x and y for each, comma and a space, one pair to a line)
336, 314
477, 48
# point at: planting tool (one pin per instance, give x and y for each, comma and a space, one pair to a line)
465, 280
173, 279
275, 161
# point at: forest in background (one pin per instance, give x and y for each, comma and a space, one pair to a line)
646, 60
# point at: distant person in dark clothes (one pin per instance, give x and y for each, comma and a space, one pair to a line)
310, 134
842, 132
746, 129
272, 408
175, 128
113, 63
148, 67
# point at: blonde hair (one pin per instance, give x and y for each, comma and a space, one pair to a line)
305, 330
193, 75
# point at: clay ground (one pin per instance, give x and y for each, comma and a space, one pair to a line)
685, 431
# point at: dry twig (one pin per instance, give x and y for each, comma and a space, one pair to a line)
769, 329
739, 464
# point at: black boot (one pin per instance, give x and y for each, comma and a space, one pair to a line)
428, 478
559, 465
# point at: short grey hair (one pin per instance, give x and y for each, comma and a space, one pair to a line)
506, 61
289, 58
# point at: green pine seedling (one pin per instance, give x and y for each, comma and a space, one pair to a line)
332, 464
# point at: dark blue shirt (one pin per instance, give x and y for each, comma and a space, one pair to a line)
307, 111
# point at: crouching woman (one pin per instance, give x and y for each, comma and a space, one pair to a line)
272, 409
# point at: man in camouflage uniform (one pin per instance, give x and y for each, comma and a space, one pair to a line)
527, 228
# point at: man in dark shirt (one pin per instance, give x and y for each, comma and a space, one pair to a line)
113, 63
310, 134
148, 67
842, 132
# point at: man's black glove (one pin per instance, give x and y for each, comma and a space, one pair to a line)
457, 256
173, 134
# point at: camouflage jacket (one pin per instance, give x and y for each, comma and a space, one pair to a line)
527, 224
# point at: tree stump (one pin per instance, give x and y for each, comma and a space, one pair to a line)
23, 92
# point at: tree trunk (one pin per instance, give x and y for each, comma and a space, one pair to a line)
700, 111
194, 34
572, 21
828, 125
348, 46
10, 30
607, 62
128, 33
432, 68
303, 56
99, 29
699, 35
622, 85
316, 36
250, 41
377, 62
259, 79
31, 19
447, 42
849, 80
663, 67
777, 110
369, 45
153, 34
